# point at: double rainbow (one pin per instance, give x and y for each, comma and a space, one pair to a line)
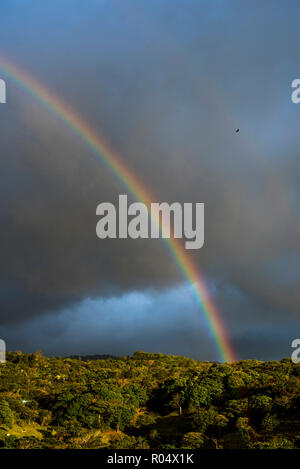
213, 321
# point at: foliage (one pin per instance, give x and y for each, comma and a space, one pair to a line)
149, 400
6, 414
193, 440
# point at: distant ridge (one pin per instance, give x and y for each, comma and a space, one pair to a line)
138, 355
86, 358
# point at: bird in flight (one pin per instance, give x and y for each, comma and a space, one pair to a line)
237, 130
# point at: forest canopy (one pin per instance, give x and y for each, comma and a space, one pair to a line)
148, 400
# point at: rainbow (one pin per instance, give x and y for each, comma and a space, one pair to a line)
95, 141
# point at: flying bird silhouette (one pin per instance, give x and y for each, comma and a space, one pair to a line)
237, 130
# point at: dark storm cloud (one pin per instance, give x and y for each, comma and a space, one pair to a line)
149, 320
167, 84
165, 322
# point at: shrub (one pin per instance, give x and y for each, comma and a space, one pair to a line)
193, 440
6, 414
269, 423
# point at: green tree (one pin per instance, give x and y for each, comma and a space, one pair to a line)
269, 423
203, 419
6, 414
193, 440
259, 406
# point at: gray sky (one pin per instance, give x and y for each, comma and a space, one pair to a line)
167, 82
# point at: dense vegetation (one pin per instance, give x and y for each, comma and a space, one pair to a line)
148, 401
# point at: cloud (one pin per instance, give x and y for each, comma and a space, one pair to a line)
155, 321
167, 321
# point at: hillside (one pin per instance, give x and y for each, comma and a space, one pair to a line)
148, 401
